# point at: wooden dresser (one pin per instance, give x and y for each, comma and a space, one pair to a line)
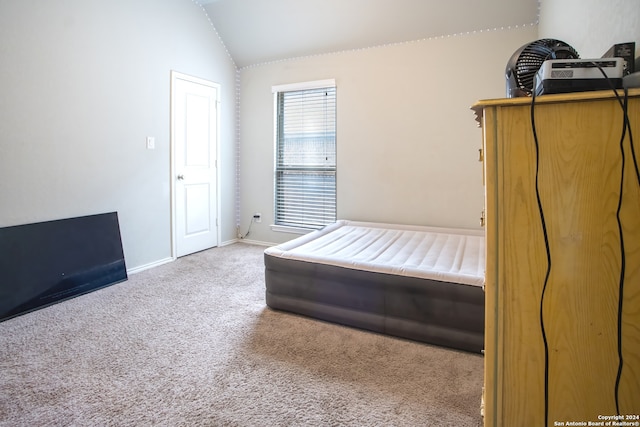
579, 171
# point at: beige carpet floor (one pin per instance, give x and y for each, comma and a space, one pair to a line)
191, 343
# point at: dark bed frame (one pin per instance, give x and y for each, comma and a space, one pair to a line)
425, 310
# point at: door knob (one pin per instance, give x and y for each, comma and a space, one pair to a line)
180, 177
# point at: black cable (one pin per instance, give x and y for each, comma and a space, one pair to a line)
626, 127
633, 151
548, 253
623, 102
625, 124
249, 229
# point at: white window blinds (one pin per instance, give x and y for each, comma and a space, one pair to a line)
305, 181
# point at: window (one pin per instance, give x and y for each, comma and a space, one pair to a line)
305, 164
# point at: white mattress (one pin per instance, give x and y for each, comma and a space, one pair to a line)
444, 254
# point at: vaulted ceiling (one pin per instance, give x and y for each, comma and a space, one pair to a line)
258, 31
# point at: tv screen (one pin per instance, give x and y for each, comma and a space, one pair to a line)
47, 262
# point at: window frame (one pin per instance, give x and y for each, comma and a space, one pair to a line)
276, 90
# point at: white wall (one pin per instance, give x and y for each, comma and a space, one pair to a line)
407, 140
82, 84
591, 26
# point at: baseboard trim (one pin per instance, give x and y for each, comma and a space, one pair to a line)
256, 242
153, 264
160, 262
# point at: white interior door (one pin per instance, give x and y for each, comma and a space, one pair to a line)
194, 142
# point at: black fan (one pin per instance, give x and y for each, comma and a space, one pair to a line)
526, 61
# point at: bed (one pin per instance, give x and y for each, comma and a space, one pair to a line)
414, 282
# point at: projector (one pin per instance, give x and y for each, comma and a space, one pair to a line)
578, 75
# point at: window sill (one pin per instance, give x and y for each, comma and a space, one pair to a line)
293, 230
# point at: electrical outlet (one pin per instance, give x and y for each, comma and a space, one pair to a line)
257, 217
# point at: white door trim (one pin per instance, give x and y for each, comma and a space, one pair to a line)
175, 76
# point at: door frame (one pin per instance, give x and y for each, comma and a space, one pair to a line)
175, 75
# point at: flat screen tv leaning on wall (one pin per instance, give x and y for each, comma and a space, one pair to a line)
48, 262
